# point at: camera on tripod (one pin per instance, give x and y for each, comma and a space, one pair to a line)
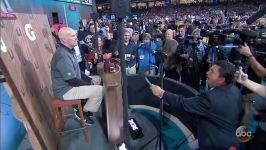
217, 37
192, 40
255, 38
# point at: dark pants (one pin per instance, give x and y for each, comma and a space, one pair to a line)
172, 74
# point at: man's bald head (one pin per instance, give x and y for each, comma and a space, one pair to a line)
261, 22
169, 34
64, 32
68, 37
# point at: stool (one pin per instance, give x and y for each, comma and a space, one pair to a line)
57, 104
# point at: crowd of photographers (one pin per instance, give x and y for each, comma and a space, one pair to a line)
190, 42
187, 40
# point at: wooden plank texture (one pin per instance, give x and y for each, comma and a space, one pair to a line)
26, 66
113, 104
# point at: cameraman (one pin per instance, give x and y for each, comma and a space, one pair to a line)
146, 59
182, 53
254, 64
191, 51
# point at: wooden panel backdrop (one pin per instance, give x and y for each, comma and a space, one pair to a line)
26, 66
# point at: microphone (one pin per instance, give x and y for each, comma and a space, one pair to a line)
90, 48
159, 53
256, 16
143, 75
245, 32
87, 45
228, 31
148, 81
248, 33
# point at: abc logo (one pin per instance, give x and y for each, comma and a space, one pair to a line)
243, 134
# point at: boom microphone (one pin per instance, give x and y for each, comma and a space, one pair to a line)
229, 31
245, 32
87, 45
90, 48
256, 16
248, 33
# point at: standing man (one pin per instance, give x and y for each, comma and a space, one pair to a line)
219, 110
171, 62
130, 54
68, 81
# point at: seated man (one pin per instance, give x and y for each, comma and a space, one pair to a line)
68, 81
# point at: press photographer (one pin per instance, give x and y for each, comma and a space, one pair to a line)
190, 52
146, 58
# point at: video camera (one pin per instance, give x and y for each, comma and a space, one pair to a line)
144, 45
215, 37
255, 38
192, 40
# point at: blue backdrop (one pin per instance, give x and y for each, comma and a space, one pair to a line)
12, 130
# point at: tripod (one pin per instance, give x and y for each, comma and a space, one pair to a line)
192, 68
161, 56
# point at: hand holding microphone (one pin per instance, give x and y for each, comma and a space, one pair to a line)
156, 90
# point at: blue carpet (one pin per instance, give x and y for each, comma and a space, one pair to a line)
12, 131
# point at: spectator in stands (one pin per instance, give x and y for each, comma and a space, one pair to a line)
135, 38
90, 32
55, 37
105, 31
110, 44
181, 33
130, 54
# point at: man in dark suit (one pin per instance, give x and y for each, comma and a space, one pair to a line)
219, 110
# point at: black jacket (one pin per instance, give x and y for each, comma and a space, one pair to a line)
219, 111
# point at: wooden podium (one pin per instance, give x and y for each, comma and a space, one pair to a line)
113, 103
